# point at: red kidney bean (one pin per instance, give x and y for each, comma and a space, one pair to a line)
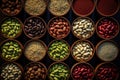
82, 71
107, 28
59, 27
106, 72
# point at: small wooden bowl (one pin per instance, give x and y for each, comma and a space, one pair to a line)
18, 65
104, 14
45, 1
36, 37
7, 40
66, 55
59, 63
21, 25
52, 20
80, 37
90, 66
37, 63
53, 13
82, 60
36, 40
105, 63
12, 14
87, 14
103, 42
114, 20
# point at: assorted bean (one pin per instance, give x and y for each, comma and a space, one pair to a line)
35, 7
82, 71
35, 27
35, 50
58, 71
106, 71
107, 51
11, 71
83, 28
35, 71
11, 7
82, 51
107, 28
58, 50
11, 27
11, 50
59, 27
59, 7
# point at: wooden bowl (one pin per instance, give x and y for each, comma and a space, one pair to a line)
64, 57
106, 63
80, 37
36, 37
18, 65
21, 25
85, 4
56, 13
104, 7
113, 20
7, 40
22, 1
82, 60
101, 42
37, 63
59, 63
40, 13
34, 40
52, 20
80, 63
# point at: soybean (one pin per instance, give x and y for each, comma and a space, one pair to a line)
58, 50
58, 71
11, 50
11, 27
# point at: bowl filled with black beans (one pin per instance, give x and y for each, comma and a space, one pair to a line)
34, 27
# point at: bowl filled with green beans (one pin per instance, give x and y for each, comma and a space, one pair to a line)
58, 50
58, 71
11, 27
11, 50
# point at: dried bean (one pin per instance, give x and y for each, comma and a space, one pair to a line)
82, 71
34, 27
11, 50
35, 7
58, 50
35, 50
83, 28
59, 7
107, 28
11, 27
11, 7
36, 71
106, 71
59, 27
11, 71
82, 51
58, 71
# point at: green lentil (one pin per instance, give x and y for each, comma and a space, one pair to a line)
58, 71
11, 27
58, 50
11, 50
